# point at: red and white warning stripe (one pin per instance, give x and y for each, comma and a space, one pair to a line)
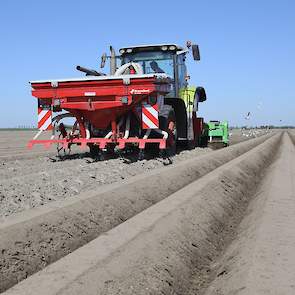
44, 119
150, 116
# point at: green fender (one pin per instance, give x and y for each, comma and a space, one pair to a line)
188, 94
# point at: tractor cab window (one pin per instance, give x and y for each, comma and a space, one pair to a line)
152, 62
182, 71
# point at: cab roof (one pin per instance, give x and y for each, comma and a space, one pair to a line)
151, 47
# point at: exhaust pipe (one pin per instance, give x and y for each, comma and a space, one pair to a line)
113, 61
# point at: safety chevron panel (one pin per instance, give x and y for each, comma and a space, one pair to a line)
150, 116
44, 119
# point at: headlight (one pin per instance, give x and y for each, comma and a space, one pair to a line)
172, 47
164, 48
129, 50
122, 51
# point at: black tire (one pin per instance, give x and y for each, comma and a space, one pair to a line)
204, 141
94, 150
172, 134
191, 144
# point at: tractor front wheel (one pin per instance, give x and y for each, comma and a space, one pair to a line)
96, 152
172, 133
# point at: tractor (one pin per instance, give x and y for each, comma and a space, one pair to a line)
145, 100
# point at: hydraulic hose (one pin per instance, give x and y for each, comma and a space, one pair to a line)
137, 67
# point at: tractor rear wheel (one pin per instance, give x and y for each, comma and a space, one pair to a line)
203, 141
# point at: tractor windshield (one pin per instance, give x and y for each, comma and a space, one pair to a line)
152, 61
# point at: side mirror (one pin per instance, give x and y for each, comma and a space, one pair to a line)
196, 52
201, 93
103, 60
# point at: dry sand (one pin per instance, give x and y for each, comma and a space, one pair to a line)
213, 222
165, 247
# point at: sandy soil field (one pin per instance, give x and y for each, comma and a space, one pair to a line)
210, 222
31, 178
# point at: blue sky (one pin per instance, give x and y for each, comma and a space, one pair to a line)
247, 50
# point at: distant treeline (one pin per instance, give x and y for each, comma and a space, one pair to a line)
18, 128
262, 127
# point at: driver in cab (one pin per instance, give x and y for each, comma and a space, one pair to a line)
155, 67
